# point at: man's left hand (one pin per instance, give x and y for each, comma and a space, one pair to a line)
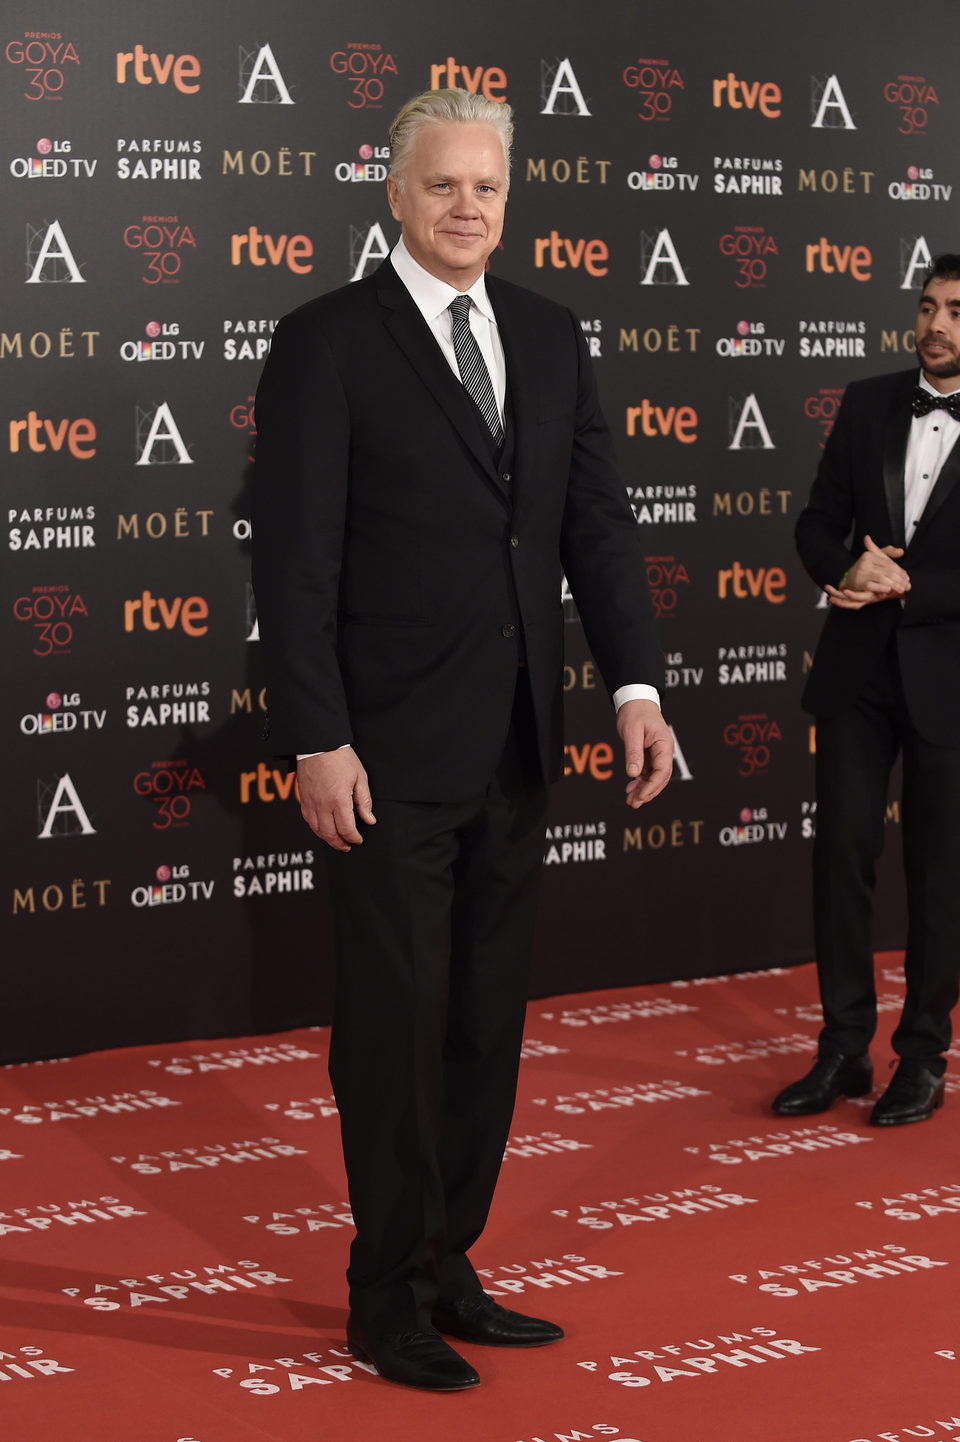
648, 750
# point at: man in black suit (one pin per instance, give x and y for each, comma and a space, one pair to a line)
881, 534
430, 457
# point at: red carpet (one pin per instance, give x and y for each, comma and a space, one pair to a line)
173, 1235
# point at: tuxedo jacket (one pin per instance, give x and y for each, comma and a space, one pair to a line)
859, 491
402, 571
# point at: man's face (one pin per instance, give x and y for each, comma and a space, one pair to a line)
451, 204
938, 333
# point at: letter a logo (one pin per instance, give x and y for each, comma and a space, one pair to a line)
914, 257
659, 252
49, 259
683, 771
828, 97
261, 82
749, 432
64, 803
366, 246
161, 430
561, 82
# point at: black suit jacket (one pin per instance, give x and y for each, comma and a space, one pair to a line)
399, 574
859, 491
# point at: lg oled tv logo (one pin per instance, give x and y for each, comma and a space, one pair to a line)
61, 715
53, 161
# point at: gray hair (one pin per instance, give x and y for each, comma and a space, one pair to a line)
439, 107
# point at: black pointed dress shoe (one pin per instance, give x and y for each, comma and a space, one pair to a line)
415, 1359
833, 1075
913, 1095
478, 1318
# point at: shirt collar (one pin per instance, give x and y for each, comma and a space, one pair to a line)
431, 295
925, 385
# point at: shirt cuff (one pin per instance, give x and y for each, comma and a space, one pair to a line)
305, 755
635, 692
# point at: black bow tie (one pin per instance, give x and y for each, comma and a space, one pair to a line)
923, 403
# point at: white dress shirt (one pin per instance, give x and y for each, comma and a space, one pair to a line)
432, 298
929, 443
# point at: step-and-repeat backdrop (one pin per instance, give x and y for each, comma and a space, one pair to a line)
738, 203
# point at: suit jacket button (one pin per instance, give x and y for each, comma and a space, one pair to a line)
508, 630
506, 477
514, 541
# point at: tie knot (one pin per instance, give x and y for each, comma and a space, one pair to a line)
460, 307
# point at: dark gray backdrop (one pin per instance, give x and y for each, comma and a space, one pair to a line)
167, 887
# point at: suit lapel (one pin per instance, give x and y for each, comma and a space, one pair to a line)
894, 459
412, 334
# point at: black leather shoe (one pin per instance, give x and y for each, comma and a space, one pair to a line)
832, 1076
416, 1359
912, 1096
478, 1318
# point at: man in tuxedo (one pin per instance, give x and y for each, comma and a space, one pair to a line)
881, 535
431, 457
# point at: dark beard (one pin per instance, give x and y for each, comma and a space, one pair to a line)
943, 370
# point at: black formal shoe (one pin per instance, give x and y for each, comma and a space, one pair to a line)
832, 1076
478, 1318
912, 1096
416, 1359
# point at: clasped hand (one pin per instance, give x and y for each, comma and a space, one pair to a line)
874, 576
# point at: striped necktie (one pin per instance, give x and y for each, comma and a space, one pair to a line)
472, 367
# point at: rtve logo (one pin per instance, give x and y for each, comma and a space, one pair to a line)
748, 95
480, 81
261, 249
593, 757
41, 435
680, 422
591, 254
155, 612
766, 581
148, 68
854, 260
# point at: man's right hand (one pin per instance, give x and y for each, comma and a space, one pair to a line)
331, 785
874, 576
